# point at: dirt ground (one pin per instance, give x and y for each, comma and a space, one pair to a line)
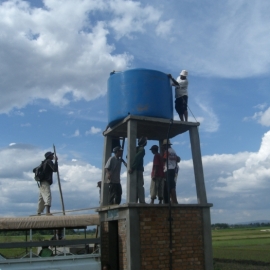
240, 265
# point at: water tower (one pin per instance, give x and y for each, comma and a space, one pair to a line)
148, 236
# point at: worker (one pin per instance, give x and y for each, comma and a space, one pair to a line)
181, 94
157, 176
170, 157
113, 170
138, 166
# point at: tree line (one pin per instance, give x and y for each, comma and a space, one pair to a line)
226, 225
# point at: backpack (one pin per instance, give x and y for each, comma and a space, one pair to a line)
40, 170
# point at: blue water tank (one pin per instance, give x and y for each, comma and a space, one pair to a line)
142, 92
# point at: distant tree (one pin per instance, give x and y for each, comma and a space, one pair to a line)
220, 225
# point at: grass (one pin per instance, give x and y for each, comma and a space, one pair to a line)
242, 244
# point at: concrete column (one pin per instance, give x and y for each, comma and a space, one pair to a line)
161, 147
131, 178
207, 235
197, 164
104, 200
133, 240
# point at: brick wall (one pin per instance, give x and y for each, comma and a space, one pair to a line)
122, 243
122, 236
104, 241
187, 239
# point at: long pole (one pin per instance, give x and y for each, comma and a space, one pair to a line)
170, 219
59, 185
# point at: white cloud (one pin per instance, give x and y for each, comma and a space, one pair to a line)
260, 106
262, 117
26, 125
93, 130
252, 176
19, 113
131, 17
42, 110
212, 123
68, 42
225, 39
163, 28
72, 54
76, 133
265, 118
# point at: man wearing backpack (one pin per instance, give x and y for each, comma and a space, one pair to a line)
45, 198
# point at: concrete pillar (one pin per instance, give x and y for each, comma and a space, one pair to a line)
197, 164
207, 235
133, 240
161, 147
131, 178
104, 199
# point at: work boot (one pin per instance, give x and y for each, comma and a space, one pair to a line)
48, 213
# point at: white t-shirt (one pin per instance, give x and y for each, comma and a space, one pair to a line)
171, 159
182, 89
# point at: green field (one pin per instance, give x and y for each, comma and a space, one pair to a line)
242, 244
231, 244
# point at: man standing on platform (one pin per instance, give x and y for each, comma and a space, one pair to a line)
157, 176
170, 157
181, 94
45, 197
138, 166
113, 170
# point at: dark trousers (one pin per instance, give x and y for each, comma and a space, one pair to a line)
115, 192
165, 193
169, 184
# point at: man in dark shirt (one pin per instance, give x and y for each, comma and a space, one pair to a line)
157, 176
45, 197
138, 166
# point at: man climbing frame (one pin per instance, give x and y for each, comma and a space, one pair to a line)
181, 94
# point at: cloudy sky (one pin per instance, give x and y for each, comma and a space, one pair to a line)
56, 57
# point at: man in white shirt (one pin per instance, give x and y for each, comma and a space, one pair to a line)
170, 157
181, 94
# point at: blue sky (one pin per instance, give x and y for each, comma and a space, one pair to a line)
56, 57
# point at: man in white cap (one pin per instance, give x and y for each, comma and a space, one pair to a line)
113, 170
171, 158
181, 94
